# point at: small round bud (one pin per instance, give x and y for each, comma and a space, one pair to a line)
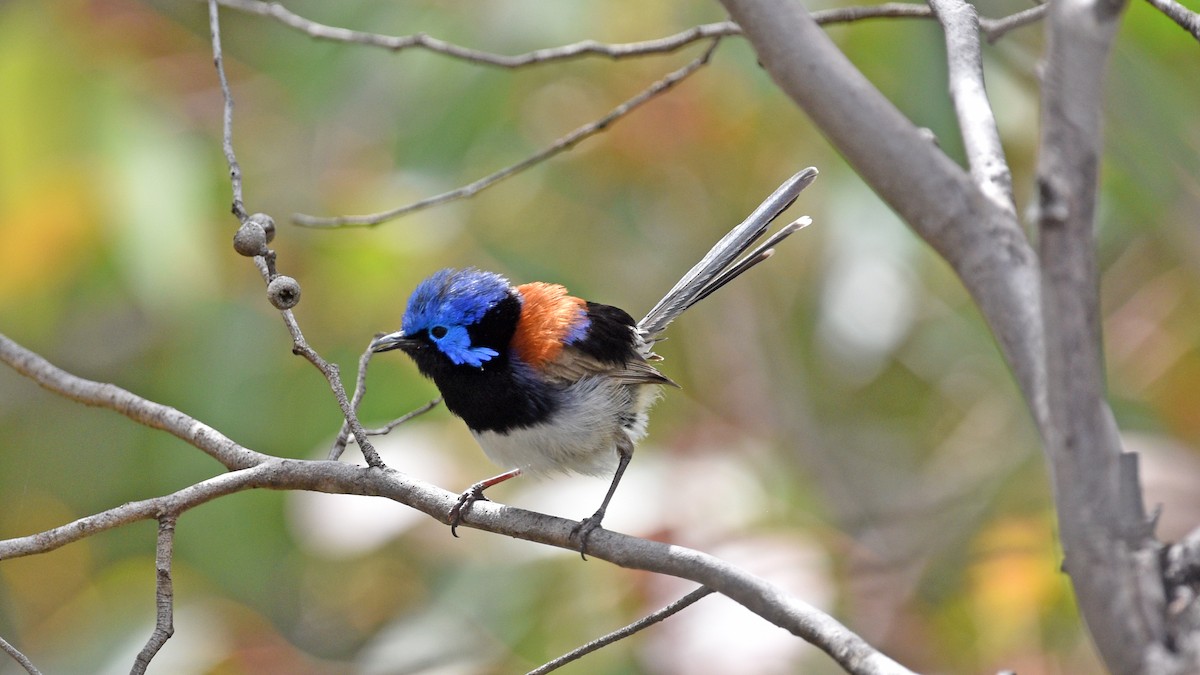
266, 222
250, 239
283, 292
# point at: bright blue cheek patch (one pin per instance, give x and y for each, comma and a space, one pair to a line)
456, 345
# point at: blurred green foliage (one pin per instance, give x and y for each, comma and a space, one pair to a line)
846, 426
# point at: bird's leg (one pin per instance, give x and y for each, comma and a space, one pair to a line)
474, 494
585, 527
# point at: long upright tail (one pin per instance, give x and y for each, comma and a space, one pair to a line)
718, 266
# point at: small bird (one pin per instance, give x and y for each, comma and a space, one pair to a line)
548, 382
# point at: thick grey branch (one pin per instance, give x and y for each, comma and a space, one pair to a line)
982, 242
136, 408
756, 594
977, 123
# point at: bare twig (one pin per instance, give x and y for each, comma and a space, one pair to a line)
360, 389
622, 633
561, 145
235, 170
994, 29
20, 658
976, 121
332, 373
164, 594
344, 435
266, 263
387, 428
398, 43
136, 408
1186, 18
664, 45
131, 512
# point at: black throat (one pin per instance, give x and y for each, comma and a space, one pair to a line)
497, 396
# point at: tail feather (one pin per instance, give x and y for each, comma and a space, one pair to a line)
718, 266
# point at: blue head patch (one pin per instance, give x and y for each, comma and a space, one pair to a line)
449, 301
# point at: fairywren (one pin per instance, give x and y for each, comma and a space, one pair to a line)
548, 382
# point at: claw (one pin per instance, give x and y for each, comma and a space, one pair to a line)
465, 500
474, 494
584, 530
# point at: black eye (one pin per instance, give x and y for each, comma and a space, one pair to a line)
438, 332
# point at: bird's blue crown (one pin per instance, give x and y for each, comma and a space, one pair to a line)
447, 303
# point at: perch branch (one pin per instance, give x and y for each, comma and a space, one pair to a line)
277, 473
758, 595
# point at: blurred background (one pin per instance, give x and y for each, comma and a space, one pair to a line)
846, 427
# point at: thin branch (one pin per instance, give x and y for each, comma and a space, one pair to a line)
994, 29
146, 509
561, 145
164, 595
266, 263
1186, 18
585, 48
332, 373
976, 121
235, 170
387, 428
360, 390
398, 43
20, 658
622, 633
136, 408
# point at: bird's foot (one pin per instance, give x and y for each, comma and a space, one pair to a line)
465, 500
584, 529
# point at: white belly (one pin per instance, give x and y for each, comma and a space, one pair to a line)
581, 436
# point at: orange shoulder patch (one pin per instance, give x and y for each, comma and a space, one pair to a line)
548, 315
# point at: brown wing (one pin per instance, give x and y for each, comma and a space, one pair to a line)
572, 364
